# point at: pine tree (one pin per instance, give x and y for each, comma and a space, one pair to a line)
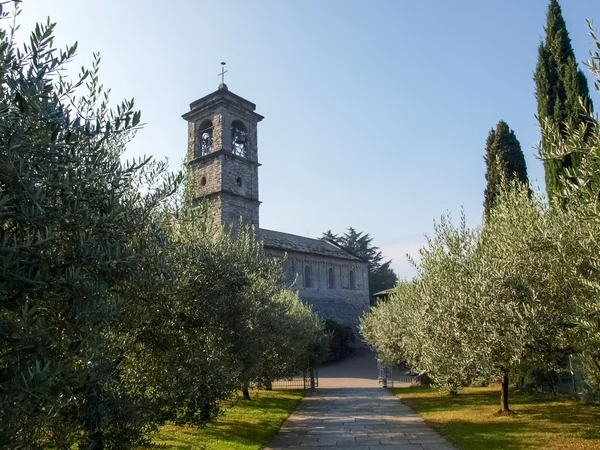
504, 159
560, 87
381, 274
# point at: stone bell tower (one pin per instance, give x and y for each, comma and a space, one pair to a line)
223, 155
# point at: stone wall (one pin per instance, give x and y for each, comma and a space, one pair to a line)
342, 304
233, 207
240, 177
208, 172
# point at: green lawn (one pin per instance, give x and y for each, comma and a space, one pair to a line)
469, 421
248, 425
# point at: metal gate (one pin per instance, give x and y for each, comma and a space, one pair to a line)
388, 374
307, 379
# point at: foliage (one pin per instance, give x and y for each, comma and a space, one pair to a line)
381, 275
486, 303
561, 87
242, 426
383, 328
540, 422
222, 322
520, 294
121, 306
504, 159
529, 260
71, 217
341, 340
298, 338
425, 315
583, 143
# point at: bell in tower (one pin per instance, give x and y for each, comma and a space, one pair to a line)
223, 155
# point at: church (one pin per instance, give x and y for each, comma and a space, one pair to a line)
223, 153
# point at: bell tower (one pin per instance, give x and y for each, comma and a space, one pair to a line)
223, 155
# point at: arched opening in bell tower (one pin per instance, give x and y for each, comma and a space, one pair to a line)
239, 139
204, 139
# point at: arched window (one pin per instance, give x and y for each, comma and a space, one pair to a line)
331, 278
239, 138
204, 139
307, 277
352, 281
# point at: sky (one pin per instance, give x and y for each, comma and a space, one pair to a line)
376, 113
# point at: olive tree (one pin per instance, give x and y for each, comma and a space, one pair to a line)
71, 213
225, 320
121, 306
384, 328
486, 302
429, 319
295, 337
523, 288
580, 189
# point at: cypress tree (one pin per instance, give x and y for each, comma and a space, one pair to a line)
503, 158
559, 87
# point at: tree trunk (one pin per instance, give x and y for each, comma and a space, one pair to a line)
504, 409
93, 442
269, 385
573, 382
245, 391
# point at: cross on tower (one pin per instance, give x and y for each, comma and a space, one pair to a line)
223, 72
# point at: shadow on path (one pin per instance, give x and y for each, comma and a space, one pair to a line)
359, 370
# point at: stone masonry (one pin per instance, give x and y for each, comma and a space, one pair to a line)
225, 174
339, 303
227, 180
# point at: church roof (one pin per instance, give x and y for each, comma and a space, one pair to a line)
221, 96
292, 243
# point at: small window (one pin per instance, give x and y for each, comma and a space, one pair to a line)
331, 278
239, 181
307, 277
203, 181
352, 281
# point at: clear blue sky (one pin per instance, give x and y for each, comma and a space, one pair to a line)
376, 113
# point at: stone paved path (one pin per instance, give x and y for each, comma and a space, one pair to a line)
355, 418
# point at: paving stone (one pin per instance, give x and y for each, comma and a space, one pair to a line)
397, 447
328, 441
351, 412
356, 419
352, 442
350, 447
394, 440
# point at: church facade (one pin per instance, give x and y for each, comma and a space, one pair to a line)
223, 153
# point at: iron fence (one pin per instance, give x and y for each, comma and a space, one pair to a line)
390, 374
307, 379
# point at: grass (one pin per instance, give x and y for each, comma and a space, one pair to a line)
248, 425
469, 419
